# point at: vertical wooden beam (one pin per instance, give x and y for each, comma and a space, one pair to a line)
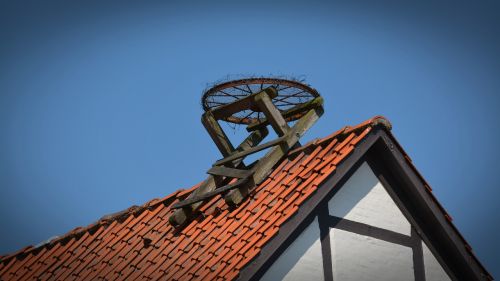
272, 113
217, 134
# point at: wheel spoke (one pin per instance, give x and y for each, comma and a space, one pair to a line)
238, 88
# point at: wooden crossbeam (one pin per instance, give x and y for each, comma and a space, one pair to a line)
244, 153
210, 194
247, 102
229, 172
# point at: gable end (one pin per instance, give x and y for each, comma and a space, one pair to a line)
392, 168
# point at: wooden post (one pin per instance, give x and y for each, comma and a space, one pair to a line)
217, 134
272, 114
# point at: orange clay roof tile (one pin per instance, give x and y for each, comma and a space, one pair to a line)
139, 244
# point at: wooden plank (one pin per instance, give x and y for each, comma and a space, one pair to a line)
227, 110
229, 172
317, 102
241, 154
217, 134
273, 115
208, 195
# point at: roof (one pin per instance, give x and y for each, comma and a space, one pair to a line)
139, 243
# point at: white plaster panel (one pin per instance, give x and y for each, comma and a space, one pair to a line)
433, 270
358, 258
364, 199
302, 260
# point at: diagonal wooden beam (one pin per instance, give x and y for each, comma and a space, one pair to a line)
272, 113
244, 153
217, 134
265, 164
289, 113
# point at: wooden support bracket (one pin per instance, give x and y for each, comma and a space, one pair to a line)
265, 164
230, 167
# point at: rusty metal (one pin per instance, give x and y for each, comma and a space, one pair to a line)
290, 94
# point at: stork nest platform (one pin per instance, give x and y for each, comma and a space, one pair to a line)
290, 95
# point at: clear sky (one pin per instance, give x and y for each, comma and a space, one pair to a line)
100, 100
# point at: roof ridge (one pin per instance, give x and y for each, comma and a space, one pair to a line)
378, 120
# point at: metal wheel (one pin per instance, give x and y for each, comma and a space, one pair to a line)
290, 94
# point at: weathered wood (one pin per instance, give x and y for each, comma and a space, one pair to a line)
181, 216
217, 134
247, 102
208, 195
253, 139
265, 164
229, 172
317, 102
272, 113
298, 130
242, 154
238, 190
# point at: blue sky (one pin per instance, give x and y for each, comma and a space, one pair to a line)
100, 101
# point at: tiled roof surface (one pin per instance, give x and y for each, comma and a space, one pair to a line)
140, 244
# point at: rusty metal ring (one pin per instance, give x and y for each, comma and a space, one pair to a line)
290, 94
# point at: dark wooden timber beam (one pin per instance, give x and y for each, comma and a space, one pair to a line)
272, 114
217, 134
253, 139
